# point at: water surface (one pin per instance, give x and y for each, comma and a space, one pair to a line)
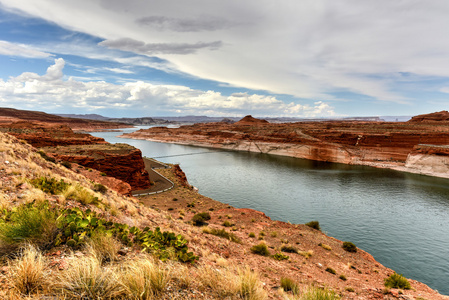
401, 219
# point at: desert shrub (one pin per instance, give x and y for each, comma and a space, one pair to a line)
306, 254
350, 247
349, 289
50, 185
80, 194
77, 226
274, 234
289, 249
27, 273
103, 174
67, 164
144, 279
397, 281
86, 279
314, 225
280, 256
252, 235
223, 233
103, 246
200, 219
228, 224
33, 223
324, 246
315, 293
98, 187
330, 270
343, 277
289, 285
260, 249
249, 285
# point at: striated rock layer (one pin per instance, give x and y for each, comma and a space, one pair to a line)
120, 161
379, 144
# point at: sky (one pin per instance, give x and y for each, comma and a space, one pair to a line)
289, 58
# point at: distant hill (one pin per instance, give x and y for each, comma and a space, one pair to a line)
74, 123
84, 116
440, 116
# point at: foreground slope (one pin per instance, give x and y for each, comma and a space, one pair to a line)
226, 268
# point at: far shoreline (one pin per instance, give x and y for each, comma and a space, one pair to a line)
362, 163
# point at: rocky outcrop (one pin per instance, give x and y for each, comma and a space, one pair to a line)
120, 161
441, 116
429, 160
379, 144
40, 134
74, 123
249, 120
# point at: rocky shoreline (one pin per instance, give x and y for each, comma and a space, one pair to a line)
419, 148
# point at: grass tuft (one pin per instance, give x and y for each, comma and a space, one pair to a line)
314, 225
27, 272
260, 249
223, 233
86, 279
143, 279
397, 281
289, 285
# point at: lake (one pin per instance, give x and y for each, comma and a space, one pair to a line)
401, 219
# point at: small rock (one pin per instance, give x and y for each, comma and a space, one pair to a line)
319, 265
122, 252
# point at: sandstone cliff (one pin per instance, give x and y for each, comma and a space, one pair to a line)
120, 161
379, 144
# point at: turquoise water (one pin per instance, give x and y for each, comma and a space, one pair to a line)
401, 219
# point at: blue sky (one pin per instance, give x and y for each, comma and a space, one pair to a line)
311, 58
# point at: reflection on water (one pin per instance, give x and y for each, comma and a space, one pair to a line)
401, 219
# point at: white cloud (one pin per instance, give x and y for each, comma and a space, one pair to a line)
12, 49
50, 91
308, 49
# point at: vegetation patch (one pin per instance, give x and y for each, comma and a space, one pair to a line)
280, 256
260, 249
350, 247
289, 249
200, 219
28, 223
330, 270
289, 285
314, 225
223, 233
324, 246
397, 281
50, 185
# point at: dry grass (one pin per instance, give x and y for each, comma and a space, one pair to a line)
143, 279
306, 254
86, 279
28, 273
103, 247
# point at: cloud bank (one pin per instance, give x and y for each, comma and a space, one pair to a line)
51, 92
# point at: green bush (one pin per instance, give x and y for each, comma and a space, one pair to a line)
33, 223
200, 219
343, 277
252, 235
289, 249
350, 247
280, 256
330, 270
76, 227
288, 285
98, 187
260, 249
228, 224
50, 185
397, 281
224, 234
314, 225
